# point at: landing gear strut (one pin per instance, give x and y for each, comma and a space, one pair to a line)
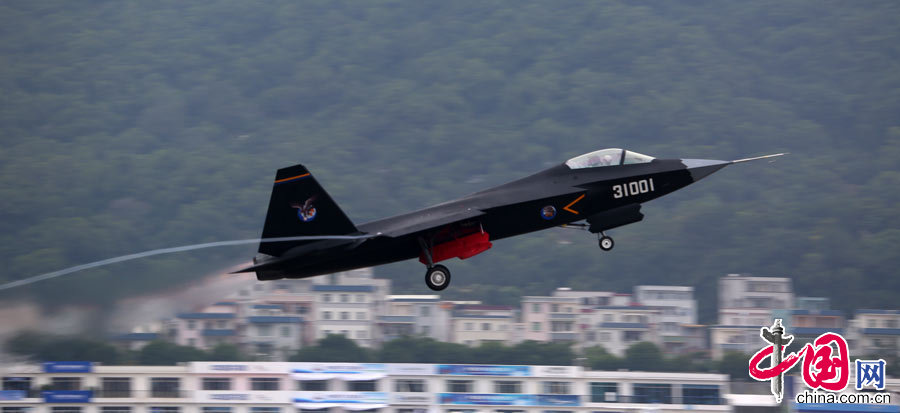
437, 277
606, 243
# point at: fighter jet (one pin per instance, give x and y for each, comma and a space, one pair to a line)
597, 191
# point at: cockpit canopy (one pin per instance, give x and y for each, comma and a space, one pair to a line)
607, 157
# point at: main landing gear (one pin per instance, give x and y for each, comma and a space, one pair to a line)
437, 277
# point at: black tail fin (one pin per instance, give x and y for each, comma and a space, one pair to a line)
299, 206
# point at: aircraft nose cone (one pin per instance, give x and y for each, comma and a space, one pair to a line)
700, 168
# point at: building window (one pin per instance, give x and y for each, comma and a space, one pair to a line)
363, 385
191, 324
700, 394
66, 383
115, 409
345, 333
361, 334
535, 308
167, 387
485, 327
556, 387
460, 386
507, 387
265, 410
345, 315
216, 409
608, 318
17, 383
632, 336
164, 409
285, 331
299, 309
326, 315
220, 324
264, 383
345, 298
264, 330
604, 392
360, 315
360, 298
470, 326
17, 409
554, 308
424, 311
409, 386
326, 298
115, 387
313, 385
535, 326
652, 393
426, 330
216, 383
66, 409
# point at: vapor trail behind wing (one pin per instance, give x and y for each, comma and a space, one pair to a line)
54, 274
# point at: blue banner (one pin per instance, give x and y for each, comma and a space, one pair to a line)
68, 367
67, 396
12, 395
468, 370
488, 399
558, 400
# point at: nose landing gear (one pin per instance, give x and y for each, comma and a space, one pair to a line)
606, 243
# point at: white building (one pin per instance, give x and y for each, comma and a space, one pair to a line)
875, 333
746, 304
269, 387
678, 311
473, 324
618, 327
415, 315
550, 318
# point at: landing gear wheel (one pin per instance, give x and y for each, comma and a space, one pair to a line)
437, 278
606, 243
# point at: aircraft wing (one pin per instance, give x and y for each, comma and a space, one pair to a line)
413, 223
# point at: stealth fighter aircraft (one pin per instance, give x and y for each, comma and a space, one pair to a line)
597, 191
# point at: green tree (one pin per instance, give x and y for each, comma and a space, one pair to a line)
600, 359
643, 356
334, 347
164, 353
226, 352
734, 364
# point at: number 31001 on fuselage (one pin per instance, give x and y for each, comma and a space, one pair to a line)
604, 189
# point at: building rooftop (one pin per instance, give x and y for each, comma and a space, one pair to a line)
344, 288
272, 319
217, 333
206, 316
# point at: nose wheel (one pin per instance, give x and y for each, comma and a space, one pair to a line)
606, 243
437, 277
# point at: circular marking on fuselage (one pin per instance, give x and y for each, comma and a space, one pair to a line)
548, 212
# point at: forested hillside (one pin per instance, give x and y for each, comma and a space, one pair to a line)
134, 125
